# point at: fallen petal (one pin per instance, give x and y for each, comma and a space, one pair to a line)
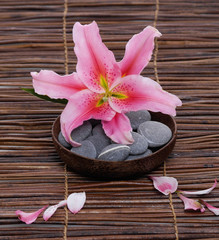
191, 204
49, 83
62, 203
51, 210
210, 207
165, 185
206, 191
119, 129
76, 201
138, 51
29, 218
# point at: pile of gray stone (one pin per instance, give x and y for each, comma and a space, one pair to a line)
148, 137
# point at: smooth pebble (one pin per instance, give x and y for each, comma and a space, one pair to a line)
115, 152
82, 132
138, 117
98, 130
94, 122
62, 141
140, 144
99, 141
133, 157
86, 149
156, 133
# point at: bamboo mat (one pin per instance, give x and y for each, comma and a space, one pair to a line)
37, 35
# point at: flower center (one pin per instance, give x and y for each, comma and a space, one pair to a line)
105, 96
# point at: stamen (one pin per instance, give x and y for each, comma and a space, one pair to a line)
104, 82
119, 95
100, 102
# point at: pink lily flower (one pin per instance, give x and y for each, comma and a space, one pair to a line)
210, 207
165, 185
191, 204
29, 218
103, 88
201, 192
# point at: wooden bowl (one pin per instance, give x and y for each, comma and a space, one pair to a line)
116, 170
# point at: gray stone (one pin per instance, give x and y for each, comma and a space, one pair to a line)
94, 122
140, 144
86, 149
98, 130
138, 117
63, 142
99, 141
156, 133
115, 152
82, 132
133, 157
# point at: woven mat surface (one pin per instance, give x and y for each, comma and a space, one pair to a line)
32, 35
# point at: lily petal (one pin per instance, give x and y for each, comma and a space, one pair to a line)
119, 129
29, 218
76, 201
138, 51
81, 107
52, 209
191, 204
210, 207
49, 83
206, 191
142, 94
165, 185
95, 60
